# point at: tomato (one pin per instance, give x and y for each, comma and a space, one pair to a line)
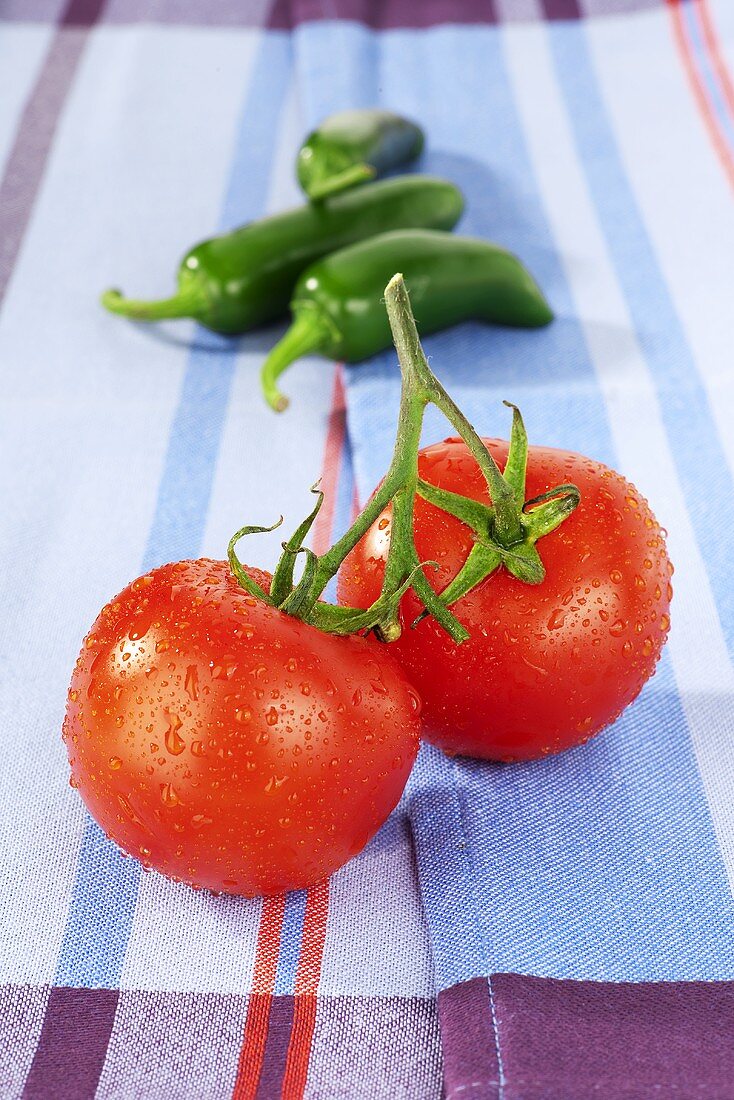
547, 666
229, 745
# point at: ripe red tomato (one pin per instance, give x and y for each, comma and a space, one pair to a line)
230, 745
547, 666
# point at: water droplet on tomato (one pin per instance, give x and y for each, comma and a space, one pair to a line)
617, 628
168, 795
174, 742
664, 622
161, 646
557, 619
200, 820
191, 683
305, 689
115, 763
357, 697
271, 716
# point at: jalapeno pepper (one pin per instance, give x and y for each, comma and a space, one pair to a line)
243, 279
337, 303
355, 146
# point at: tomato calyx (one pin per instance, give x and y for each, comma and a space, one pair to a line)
505, 532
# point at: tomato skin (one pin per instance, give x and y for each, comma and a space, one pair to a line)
546, 666
229, 745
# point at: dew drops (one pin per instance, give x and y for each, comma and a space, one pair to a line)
91, 641
664, 622
615, 576
383, 524
197, 748
73, 695
271, 716
200, 820
305, 689
357, 697
275, 783
617, 628
161, 646
242, 715
115, 763
262, 738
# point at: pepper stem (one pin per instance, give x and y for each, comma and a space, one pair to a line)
307, 334
185, 303
332, 185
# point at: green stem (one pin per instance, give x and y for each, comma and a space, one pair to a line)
307, 334
350, 177
185, 303
505, 532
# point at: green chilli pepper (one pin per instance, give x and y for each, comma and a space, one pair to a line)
337, 303
245, 278
355, 146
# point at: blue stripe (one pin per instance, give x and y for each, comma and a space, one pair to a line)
706, 71
290, 942
600, 863
106, 886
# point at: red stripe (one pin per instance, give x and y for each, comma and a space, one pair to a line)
699, 90
712, 45
261, 997
308, 973
308, 976
331, 465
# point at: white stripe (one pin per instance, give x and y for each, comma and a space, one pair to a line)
23, 48
87, 406
682, 190
268, 462
376, 938
703, 672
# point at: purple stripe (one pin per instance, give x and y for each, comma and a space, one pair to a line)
287, 14
470, 1044
276, 1048
568, 1040
561, 9
73, 1044
33, 139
